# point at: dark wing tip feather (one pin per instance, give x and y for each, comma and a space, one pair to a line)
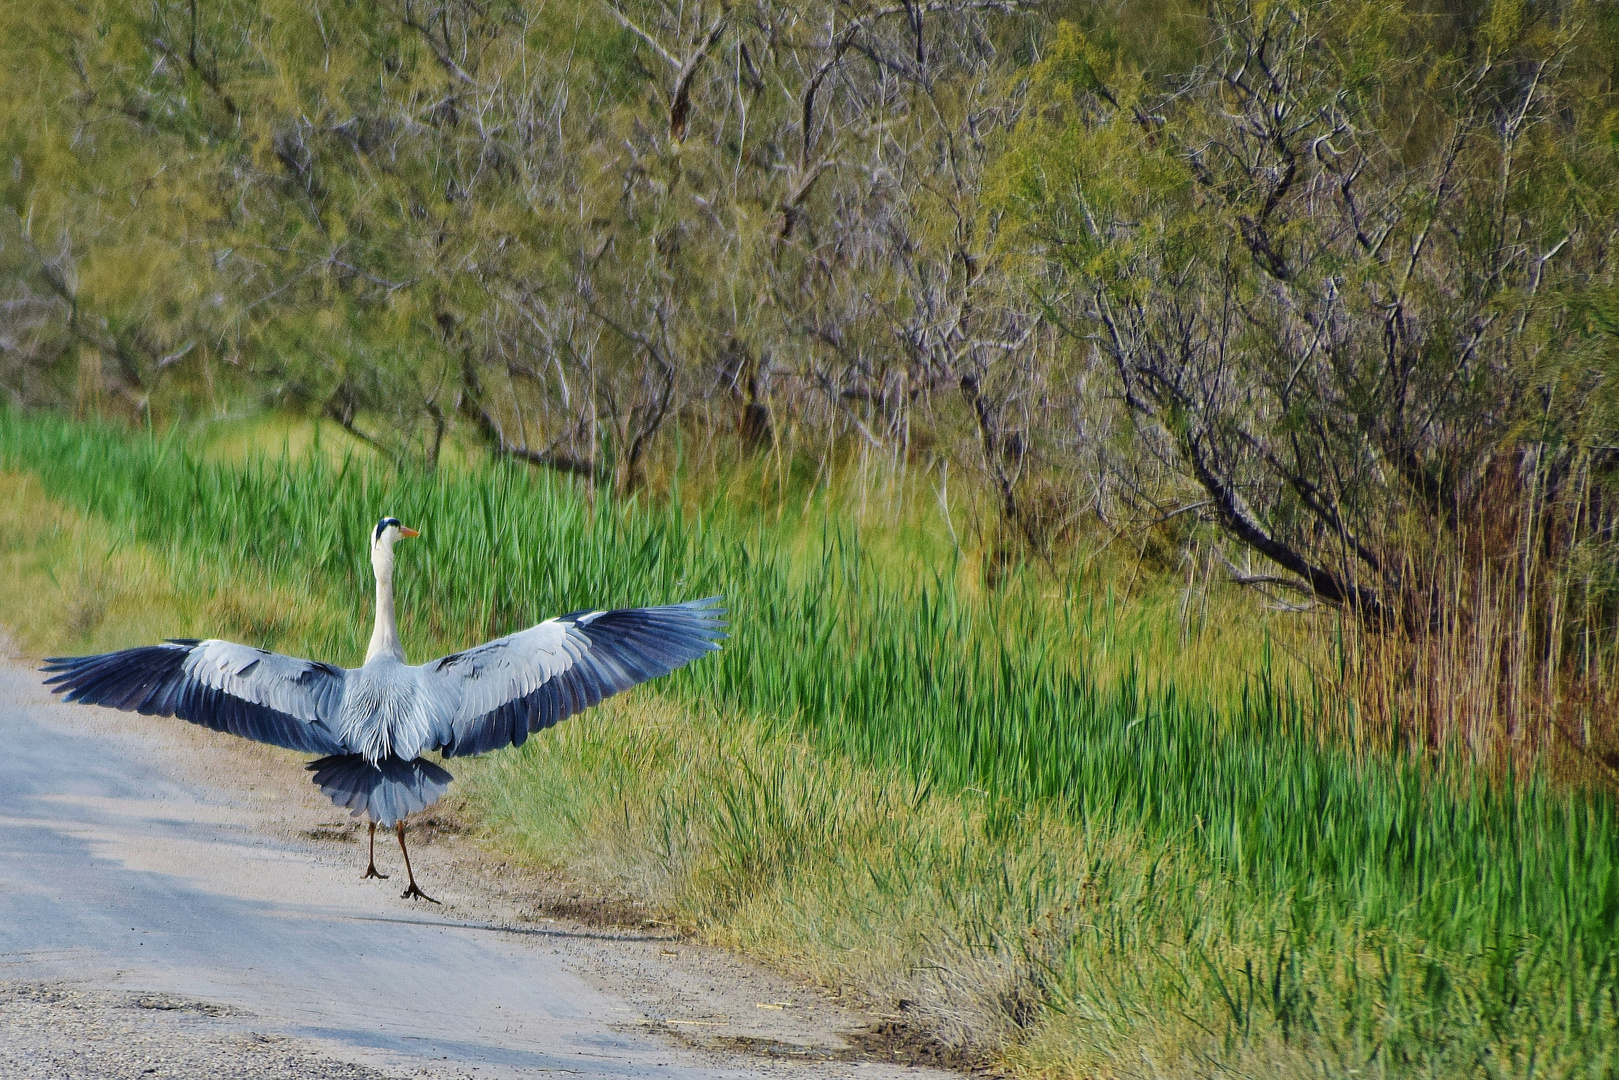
109, 677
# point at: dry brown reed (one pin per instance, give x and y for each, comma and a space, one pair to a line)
1506, 647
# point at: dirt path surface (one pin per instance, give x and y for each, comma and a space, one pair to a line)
176, 903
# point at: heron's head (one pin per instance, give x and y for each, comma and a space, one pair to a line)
383, 538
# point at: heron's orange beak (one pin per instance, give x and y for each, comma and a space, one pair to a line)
408, 532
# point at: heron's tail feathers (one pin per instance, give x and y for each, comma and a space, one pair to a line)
387, 791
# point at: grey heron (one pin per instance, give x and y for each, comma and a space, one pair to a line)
372, 724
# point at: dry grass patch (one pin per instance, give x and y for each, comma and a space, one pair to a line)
1025, 942
72, 584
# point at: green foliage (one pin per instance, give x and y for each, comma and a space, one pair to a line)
533, 224
1346, 272
1354, 910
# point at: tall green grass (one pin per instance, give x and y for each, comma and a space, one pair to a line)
1394, 914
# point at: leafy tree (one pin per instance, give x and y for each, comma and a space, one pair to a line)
1342, 284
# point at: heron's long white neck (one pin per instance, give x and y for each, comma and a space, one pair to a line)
385, 635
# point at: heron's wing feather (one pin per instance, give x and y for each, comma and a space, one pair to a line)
248, 692
497, 694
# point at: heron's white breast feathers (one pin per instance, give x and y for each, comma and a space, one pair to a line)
389, 712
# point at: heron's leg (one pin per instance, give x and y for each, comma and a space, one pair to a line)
371, 866
413, 890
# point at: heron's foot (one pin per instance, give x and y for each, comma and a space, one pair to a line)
414, 892
372, 872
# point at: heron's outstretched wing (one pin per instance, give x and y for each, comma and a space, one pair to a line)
498, 693
248, 692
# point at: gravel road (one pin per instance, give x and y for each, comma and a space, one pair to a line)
175, 903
